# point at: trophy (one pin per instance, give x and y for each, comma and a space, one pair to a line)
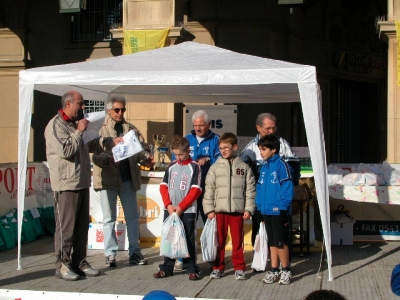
162, 147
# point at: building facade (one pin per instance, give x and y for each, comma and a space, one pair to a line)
338, 37
387, 32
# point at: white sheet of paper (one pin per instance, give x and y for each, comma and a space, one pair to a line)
128, 148
96, 120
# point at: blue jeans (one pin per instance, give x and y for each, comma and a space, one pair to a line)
109, 207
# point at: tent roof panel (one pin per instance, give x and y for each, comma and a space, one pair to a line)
175, 93
185, 64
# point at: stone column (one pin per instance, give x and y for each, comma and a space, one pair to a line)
154, 118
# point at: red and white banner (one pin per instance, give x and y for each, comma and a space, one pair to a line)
38, 191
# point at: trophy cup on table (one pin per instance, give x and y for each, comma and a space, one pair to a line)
162, 147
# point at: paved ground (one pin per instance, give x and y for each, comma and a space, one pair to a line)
361, 271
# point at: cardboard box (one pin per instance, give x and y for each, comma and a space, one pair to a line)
96, 236
341, 234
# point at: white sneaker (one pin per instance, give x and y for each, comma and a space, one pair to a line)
285, 277
111, 261
239, 275
271, 277
217, 274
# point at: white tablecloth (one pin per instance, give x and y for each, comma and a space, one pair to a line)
371, 194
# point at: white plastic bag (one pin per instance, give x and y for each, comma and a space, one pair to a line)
335, 175
354, 179
173, 241
209, 240
128, 148
260, 250
391, 175
374, 179
373, 174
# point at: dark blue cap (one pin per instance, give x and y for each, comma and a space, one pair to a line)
395, 281
158, 295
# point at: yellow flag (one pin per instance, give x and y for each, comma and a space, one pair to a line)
142, 40
398, 51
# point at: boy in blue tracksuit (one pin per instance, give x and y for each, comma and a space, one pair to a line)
273, 199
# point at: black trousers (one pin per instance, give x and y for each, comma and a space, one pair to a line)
200, 210
255, 228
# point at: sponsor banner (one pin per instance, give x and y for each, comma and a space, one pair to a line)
377, 230
151, 215
96, 236
142, 40
38, 191
223, 118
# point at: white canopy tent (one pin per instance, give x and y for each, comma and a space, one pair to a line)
189, 73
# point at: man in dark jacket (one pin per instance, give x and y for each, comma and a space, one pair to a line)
121, 179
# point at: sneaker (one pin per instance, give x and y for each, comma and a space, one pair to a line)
110, 261
137, 258
160, 274
68, 275
239, 275
271, 277
90, 272
193, 276
285, 277
217, 274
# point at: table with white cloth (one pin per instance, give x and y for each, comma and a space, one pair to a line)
376, 209
372, 194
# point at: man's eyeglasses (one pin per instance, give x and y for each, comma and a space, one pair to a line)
273, 129
117, 110
225, 148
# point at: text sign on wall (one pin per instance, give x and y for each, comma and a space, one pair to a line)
38, 191
223, 117
379, 228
